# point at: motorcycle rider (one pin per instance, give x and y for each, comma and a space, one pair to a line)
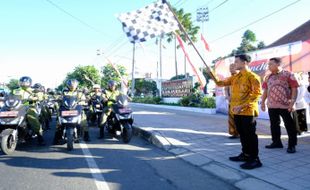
109, 97
72, 90
45, 115
96, 92
52, 96
28, 96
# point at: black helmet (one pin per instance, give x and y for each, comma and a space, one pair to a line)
2, 93
111, 83
37, 86
50, 91
72, 84
25, 81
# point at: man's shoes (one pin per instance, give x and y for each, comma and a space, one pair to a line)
251, 164
234, 137
274, 145
240, 158
291, 149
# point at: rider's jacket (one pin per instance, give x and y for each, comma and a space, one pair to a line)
111, 95
80, 96
26, 94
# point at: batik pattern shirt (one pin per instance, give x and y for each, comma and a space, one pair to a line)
245, 92
279, 89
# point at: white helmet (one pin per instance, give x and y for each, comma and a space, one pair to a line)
96, 86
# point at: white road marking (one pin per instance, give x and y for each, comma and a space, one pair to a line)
95, 171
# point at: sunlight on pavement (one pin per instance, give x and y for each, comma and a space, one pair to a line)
152, 113
186, 131
158, 158
177, 142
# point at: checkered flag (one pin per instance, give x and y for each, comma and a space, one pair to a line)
153, 20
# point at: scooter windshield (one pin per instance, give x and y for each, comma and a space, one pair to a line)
70, 102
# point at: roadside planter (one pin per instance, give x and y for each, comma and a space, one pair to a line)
182, 108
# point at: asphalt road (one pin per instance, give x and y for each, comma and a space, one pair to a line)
100, 164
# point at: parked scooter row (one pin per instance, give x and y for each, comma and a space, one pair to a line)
16, 128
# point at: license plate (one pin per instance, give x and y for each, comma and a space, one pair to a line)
125, 110
69, 113
4, 114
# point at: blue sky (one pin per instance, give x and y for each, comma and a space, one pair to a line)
46, 39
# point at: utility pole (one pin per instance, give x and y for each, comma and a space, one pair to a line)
133, 71
202, 15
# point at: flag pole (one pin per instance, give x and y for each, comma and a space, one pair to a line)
190, 40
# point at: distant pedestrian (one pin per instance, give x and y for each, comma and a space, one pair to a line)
232, 130
280, 89
245, 93
300, 108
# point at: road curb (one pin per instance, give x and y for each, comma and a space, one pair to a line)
154, 138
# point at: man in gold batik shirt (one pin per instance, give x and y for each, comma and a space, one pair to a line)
245, 93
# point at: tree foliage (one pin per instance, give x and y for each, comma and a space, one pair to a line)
13, 84
182, 76
83, 74
148, 88
247, 44
186, 21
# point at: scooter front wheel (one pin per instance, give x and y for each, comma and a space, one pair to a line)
8, 144
127, 132
69, 134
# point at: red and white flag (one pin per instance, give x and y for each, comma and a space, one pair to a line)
205, 43
199, 75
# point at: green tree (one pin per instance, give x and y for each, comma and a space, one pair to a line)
178, 77
148, 88
261, 45
13, 84
247, 44
86, 75
109, 73
186, 21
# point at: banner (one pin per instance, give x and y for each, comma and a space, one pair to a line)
177, 88
295, 57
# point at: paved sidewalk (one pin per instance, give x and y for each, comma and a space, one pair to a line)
209, 147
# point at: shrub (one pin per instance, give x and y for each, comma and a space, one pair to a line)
187, 101
184, 101
147, 100
208, 102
